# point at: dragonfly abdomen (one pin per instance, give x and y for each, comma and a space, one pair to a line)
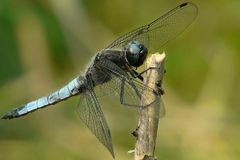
73, 88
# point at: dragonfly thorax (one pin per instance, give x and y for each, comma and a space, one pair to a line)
136, 53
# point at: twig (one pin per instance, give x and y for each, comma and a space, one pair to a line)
148, 121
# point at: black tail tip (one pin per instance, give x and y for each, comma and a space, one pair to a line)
4, 117
7, 116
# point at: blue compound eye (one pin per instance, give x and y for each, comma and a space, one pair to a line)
136, 54
134, 49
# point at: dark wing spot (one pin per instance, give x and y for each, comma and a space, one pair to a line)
182, 5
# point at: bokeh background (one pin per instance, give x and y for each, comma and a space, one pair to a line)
46, 43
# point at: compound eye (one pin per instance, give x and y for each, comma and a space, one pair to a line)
134, 49
136, 53
133, 53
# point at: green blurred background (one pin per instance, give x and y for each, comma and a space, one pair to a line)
46, 43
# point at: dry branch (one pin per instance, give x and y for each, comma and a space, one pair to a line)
149, 116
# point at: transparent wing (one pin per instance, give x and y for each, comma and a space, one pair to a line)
91, 114
157, 33
162, 108
127, 90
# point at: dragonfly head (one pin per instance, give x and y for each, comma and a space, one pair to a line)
135, 53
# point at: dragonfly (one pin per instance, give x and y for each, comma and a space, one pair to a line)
113, 72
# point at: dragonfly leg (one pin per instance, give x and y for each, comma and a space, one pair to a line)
160, 89
150, 68
135, 74
139, 76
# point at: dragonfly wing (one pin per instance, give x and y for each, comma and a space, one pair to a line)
157, 33
129, 91
91, 114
